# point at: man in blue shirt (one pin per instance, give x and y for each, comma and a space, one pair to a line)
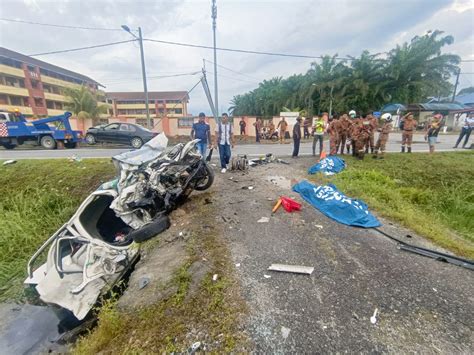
202, 131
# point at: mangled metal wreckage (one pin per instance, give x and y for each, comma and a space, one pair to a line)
93, 250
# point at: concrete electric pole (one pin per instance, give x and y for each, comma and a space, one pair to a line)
216, 99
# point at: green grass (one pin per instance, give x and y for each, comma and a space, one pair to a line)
36, 198
431, 194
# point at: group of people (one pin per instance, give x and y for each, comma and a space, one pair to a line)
356, 133
266, 132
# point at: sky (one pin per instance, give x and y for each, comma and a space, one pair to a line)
345, 27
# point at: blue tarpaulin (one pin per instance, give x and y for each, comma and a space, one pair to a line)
334, 204
329, 166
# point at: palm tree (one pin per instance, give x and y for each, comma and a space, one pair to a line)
84, 104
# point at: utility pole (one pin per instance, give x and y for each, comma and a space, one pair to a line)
330, 102
456, 85
216, 99
142, 55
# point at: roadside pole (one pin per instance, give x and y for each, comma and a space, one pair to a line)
216, 99
145, 88
456, 85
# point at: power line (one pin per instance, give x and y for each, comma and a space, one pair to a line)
233, 71
230, 77
118, 81
82, 48
61, 26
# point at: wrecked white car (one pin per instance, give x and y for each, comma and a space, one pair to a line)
97, 246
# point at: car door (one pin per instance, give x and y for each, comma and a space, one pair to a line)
109, 133
125, 133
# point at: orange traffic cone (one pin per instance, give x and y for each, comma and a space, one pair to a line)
323, 155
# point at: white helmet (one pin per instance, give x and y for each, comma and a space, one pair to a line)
352, 113
387, 117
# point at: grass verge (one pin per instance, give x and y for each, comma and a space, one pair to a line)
430, 194
38, 197
209, 314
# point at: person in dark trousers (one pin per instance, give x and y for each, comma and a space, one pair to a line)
306, 125
466, 130
258, 129
242, 125
202, 131
224, 140
296, 137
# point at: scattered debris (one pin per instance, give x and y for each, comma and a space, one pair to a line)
268, 158
237, 265
143, 282
318, 226
214, 277
266, 276
373, 319
289, 204
207, 201
408, 236
285, 332
277, 206
263, 220
297, 269
75, 158
247, 187
193, 348
239, 163
8, 162
280, 181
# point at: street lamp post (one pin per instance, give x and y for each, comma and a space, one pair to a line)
142, 55
216, 98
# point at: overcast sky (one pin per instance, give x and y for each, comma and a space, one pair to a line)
346, 27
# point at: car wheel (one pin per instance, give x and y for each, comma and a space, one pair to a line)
150, 230
136, 142
90, 139
205, 183
8, 145
48, 142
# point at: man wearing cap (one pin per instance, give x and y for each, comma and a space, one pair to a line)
408, 125
224, 140
433, 127
296, 137
466, 130
201, 131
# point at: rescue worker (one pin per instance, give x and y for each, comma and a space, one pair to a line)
271, 128
362, 132
373, 128
350, 142
318, 132
383, 136
408, 126
306, 125
282, 126
342, 133
333, 128
433, 127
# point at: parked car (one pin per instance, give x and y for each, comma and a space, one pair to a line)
119, 133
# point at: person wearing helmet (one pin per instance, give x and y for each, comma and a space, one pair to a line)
374, 123
383, 136
408, 125
352, 114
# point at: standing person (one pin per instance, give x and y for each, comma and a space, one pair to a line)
374, 123
306, 125
433, 126
408, 126
350, 142
224, 140
318, 132
258, 129
271, 129
242, 125
332, 130
466, 130
383, 136
342, 132
282, 126
202, 131
296, 137
361, 133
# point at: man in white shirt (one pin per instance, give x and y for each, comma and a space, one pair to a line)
466, 130
224, 140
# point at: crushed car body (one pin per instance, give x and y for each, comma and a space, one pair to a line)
92, 251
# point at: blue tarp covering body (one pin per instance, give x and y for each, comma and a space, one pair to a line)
328, 166
334, 204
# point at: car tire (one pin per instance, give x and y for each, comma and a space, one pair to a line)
136, 142
201, 186
48, 142
90, 139
150, 230
70, 145
9, 146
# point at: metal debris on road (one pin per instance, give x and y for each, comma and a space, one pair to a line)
239, 163
8, 162
263, 220
373, 319
318, 226
285, 332
297, 269
266, 276
237, 265
143, 282
192, 350
214, 277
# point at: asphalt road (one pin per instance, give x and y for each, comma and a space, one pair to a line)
445, 143
424, 306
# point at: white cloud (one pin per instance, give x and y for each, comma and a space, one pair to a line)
315, 27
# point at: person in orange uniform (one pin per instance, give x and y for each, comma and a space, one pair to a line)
408, 126
333, 129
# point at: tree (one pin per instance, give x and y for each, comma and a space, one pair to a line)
83, 103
